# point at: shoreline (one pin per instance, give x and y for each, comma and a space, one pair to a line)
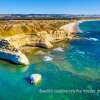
81, 21
73, 27
42, 39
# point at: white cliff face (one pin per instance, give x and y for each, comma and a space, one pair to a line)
10, 53
22, 59
17, 58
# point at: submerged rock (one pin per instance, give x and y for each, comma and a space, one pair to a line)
10, 53
35, 78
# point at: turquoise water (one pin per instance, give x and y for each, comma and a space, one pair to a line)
71, 66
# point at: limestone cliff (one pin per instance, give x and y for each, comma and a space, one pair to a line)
41, 39
10, 53
10, 47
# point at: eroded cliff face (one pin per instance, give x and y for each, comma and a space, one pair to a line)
11, 53
10, 47
36, 33
13, 27
41, 38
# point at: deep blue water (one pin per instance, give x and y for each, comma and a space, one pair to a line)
69, 66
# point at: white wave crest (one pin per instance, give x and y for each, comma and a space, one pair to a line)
59, 49
92, 39
48, 58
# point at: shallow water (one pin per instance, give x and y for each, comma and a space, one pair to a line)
69, 66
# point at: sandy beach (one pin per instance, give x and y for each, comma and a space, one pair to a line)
71, 27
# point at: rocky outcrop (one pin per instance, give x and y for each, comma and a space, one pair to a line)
14, 27
11, 46
30, 40
44, 44
41, 39
47, 32
10, 53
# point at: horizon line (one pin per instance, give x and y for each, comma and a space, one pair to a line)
44, 14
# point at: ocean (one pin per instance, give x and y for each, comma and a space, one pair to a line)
70, 71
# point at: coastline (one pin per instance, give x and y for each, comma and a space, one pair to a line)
44, 39
10, 53
81, 21
73, 27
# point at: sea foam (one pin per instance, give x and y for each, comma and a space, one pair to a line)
59, 49
48, 58
92, 39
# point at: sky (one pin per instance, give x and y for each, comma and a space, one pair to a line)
49, 6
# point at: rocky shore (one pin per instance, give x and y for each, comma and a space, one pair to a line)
44, 39
10, 53
10, 47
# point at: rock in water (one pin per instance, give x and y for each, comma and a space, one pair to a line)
35, 78
10, 53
